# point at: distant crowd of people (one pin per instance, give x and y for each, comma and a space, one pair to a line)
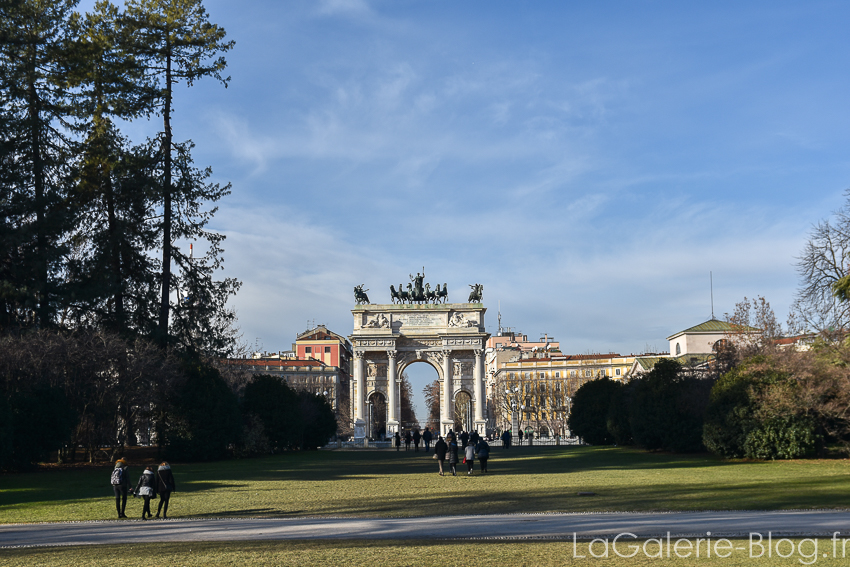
448, 448
154, 482
473, 447
507, 438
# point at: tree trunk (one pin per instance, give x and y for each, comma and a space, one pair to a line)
166, 220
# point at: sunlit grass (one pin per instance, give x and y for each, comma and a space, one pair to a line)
408, 552
389, 483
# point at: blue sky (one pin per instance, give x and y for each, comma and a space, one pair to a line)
588, 162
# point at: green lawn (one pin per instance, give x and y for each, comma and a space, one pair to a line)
389, 483
372, 553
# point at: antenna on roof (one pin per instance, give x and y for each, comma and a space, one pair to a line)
711, 283
500, 318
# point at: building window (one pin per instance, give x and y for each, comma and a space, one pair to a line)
327, 350
588, 373
572, 373
678, 349
557, 374
604, 372
617, 372
528, 375
308, 350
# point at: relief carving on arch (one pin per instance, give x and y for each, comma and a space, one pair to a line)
376, 370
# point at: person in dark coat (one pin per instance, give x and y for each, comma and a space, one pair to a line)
474, 437
483, 450
440, 449
506, 439
416, 438
453, 458
426, 437
520, 437
407, 439
464, 439
120, 486
397, 441
164, 487
146, 488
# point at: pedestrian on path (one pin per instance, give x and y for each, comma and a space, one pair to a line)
483, 450
397, 441
164, 486
453, 458
520, 437
469, 458
474, 437
416, 438
407, 439
146, 488
426, 437
440, 448
120, 480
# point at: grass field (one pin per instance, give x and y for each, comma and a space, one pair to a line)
372, 553
389, 483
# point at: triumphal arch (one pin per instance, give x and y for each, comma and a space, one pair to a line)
420, 327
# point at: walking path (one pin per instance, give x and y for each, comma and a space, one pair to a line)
808, 523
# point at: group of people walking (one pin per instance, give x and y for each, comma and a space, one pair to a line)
473, 447
155, 481
415, 437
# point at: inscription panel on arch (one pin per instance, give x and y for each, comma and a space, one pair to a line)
419, 319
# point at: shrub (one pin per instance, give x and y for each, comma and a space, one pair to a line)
667, 408
590, 409
202, 421
755, 412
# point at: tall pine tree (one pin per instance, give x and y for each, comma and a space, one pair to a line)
35, 147
114, 275
176, 43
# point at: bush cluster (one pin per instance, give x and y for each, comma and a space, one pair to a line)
770, 405
62, 391
663, 409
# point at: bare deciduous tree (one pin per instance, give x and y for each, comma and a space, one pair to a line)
823, 261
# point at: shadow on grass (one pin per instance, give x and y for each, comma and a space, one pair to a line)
746, 485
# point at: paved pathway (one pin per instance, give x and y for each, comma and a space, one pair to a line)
508, 526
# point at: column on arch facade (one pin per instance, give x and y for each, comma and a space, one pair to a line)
393, 413
478, 389
359, 397
447, 417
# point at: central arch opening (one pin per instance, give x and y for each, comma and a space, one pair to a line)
463, 411
425, 389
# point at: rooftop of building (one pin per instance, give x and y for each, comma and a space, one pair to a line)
715, 326
320, 333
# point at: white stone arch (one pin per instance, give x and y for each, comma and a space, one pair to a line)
402, 366
448, 337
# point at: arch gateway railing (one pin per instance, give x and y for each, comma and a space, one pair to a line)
388, 338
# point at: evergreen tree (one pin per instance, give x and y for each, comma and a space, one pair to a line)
114, 278
175, 42
34, 48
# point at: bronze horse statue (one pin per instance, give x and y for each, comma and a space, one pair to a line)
360, 296
476, 294
442, 294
